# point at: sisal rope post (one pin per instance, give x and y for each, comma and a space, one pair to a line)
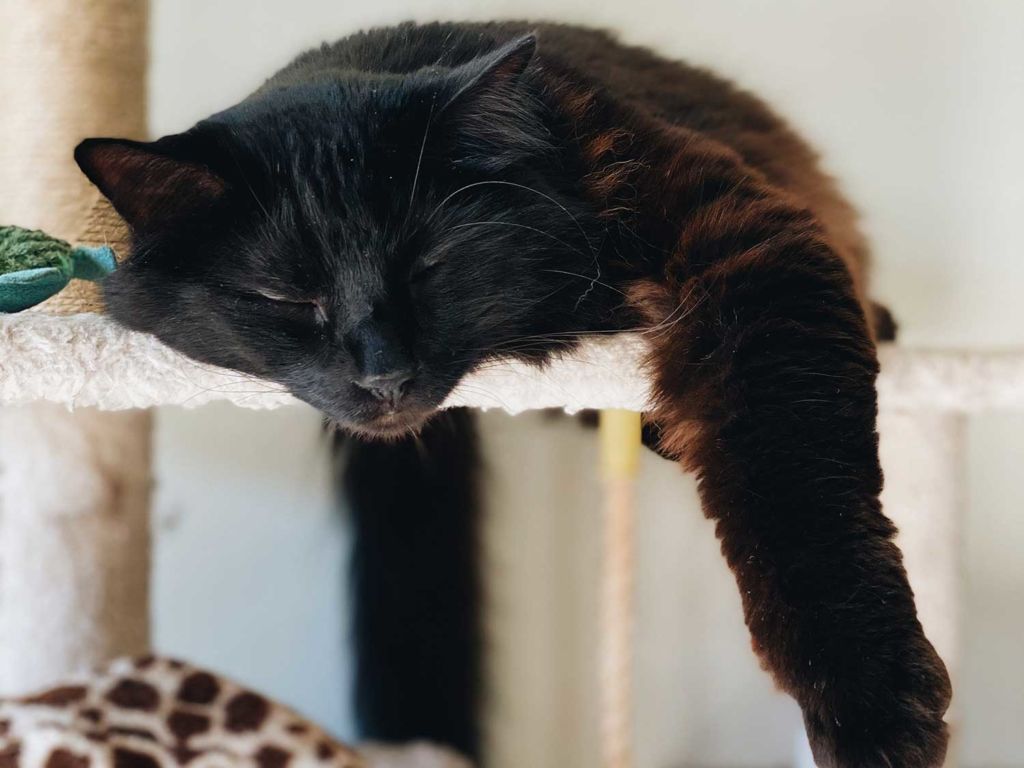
620, 454
74, 486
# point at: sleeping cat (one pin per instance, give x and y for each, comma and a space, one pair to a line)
389, 212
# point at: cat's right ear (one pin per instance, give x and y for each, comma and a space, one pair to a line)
494, 115
147, 183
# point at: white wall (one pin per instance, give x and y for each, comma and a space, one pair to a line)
249, 574
916, 106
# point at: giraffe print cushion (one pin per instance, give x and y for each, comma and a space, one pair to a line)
160, 713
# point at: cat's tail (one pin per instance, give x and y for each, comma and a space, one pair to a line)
415, 510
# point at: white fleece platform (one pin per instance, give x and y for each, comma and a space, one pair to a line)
87, 360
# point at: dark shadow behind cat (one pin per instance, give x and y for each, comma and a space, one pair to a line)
390, 212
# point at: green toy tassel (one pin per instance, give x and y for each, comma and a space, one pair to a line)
35, 266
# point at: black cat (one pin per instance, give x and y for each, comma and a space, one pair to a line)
389, 212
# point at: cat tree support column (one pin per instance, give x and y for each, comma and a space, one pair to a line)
923, 457
74, 486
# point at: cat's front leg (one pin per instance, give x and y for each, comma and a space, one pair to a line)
765, 377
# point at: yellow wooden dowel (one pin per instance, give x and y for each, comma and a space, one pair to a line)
620, 455
620, 442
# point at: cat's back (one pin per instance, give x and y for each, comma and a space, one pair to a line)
670, 90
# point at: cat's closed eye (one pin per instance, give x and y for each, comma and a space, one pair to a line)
312, 308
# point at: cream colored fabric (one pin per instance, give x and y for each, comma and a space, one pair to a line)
88, 361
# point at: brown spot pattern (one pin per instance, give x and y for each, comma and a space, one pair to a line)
198, 688
9, 756
63, 758
184, 755
272, 757
184, 725
324, 749
245, 712
57, 697
91, 714
129, 758
134, 694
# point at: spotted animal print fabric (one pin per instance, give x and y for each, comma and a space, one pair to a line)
160, 713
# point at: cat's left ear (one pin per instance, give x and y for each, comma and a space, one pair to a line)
496, 119
152, 185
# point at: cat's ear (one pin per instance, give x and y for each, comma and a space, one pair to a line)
496, 118
152, 185
494, 73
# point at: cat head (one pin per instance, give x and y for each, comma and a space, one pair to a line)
364, 240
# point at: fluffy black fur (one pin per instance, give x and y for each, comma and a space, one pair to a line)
392, 211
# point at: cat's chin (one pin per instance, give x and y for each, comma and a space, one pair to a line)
389, 426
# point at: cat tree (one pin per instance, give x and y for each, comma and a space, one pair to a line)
75, 435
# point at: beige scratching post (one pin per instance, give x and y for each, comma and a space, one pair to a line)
74, 485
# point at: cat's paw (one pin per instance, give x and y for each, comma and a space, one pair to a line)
891, 722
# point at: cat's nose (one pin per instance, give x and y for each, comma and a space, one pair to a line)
386, 387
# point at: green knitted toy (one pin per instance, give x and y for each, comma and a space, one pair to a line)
35, 266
